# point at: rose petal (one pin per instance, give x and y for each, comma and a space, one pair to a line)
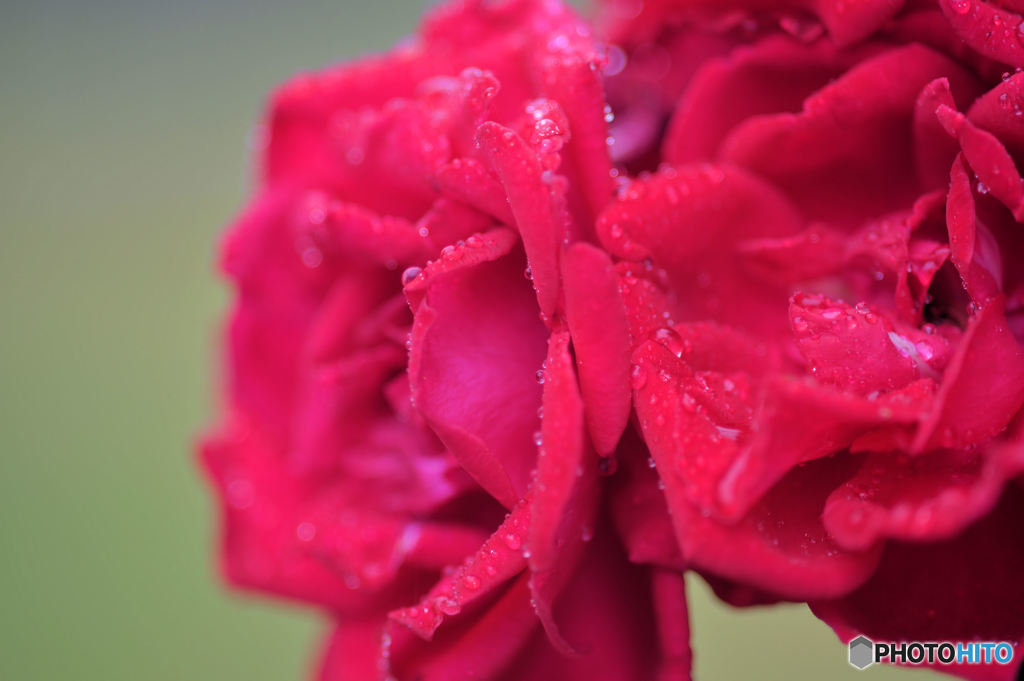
498, 560
570, 76
947, 601
926, 498
560, 458
857, 349
540, 224
987, 157
476, 347
688, 221
351, 651
988, 28
846, 23
639, 510
847, 155
771, 76
779, 545
600, 337
974, 402
933, 151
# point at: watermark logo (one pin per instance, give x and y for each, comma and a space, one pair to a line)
864, 652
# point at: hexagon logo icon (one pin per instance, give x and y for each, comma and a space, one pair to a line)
862, 652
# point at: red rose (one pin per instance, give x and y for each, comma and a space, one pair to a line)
503, 366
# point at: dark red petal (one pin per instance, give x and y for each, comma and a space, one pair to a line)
638, 507
846, 23
971, 589
600, 336
813, 253
987, 27
476, 347
564, 493
538, 219
934, 152
800, 421
606, 609
973, 250
658, 217
648, 304
988, 158
857, 349
780, 546
772, 76
336, 404
1000, 111
927, 498
983, 386
669, 598
685, 442
448, 222
847, 155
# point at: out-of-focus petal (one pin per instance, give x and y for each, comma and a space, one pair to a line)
964, 589
927, 498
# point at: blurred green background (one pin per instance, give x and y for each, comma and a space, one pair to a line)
123, 151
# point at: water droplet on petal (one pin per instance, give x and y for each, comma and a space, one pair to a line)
409, 274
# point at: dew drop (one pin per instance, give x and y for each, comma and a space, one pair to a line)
960, 6
512, 541
409, 274
448, 606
